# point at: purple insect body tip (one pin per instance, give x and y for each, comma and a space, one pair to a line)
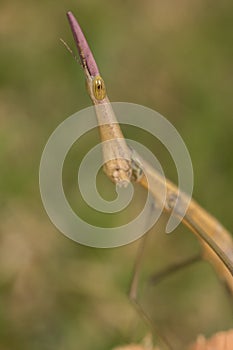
82, 45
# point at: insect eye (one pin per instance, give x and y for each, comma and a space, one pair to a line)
99, 89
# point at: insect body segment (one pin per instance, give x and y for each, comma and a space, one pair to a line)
99, 89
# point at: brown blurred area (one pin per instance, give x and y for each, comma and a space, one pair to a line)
174, 57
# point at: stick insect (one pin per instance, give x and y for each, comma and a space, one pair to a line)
216, 242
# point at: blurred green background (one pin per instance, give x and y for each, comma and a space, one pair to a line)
174, 57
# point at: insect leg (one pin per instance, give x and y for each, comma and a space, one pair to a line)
133, 291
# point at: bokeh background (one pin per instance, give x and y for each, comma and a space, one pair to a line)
174, 57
